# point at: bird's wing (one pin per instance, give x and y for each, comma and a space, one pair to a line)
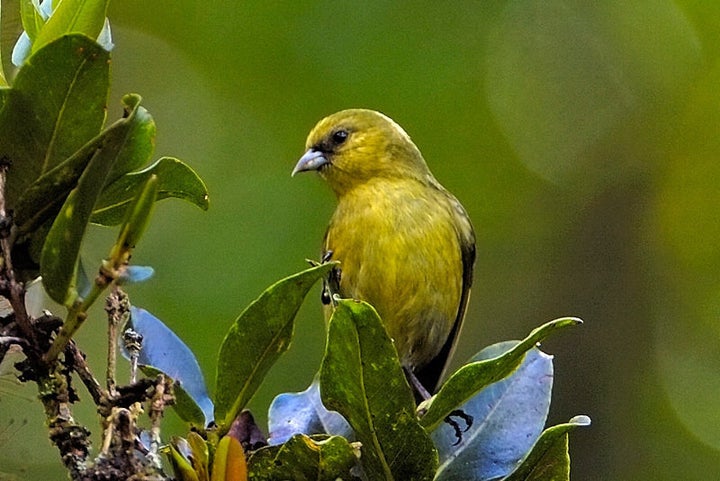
431, 374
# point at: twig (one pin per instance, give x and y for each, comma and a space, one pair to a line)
77, 314
162, 397
13, 340
71, 439
15, 292
79, 365
117, 307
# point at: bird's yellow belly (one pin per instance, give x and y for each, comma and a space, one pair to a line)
403, 257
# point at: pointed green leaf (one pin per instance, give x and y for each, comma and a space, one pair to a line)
471, 378
32, 19
361, 378
58, 260
43, 198
200, 456
256, 340
303, 458
140, 144
85, 17
59, 256
175, 179
136, 221
57, 104
184, 471
549, 460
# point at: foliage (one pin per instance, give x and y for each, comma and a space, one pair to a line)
64, 169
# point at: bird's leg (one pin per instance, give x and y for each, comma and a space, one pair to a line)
424, 395
327, 255
331, 284
420, 390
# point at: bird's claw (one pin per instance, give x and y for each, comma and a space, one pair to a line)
459, 413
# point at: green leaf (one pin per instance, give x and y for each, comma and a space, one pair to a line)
304, 458
139, 147
256, 340
32, 19
59, 257
136, 221
175, 179
361, 378
471, 378
200, 456
57, 104
184, 471
85, 17
549, 460
41, 200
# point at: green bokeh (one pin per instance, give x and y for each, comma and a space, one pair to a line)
582, 137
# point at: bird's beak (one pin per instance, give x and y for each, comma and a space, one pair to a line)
312, 160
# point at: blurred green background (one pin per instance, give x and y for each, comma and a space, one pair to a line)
583, 138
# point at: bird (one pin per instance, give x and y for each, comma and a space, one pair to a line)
404, 243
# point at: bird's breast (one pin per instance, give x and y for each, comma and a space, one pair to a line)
399, 250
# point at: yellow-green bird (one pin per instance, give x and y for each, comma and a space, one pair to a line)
405, 244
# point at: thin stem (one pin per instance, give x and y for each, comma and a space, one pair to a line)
75, 318
80, 366
117, 307
16, 292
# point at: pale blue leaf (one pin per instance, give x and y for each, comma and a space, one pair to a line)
508, 417
164, 351
135, 274
303, 413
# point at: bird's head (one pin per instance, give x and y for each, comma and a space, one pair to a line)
353, 146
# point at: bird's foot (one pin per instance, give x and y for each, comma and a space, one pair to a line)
459, 413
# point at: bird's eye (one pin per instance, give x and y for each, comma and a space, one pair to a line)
339, 136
